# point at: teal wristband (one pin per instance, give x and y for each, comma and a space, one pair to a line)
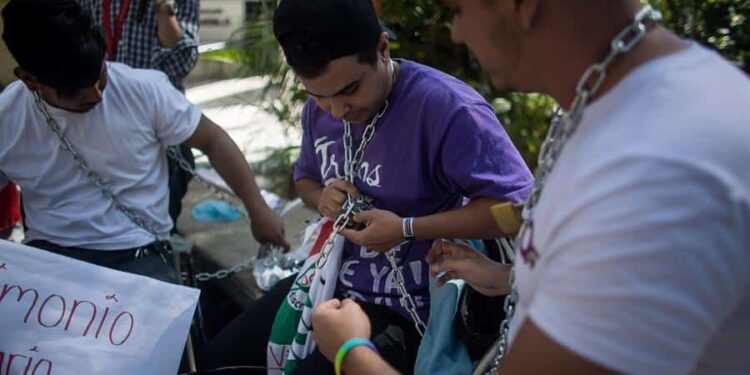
349, 345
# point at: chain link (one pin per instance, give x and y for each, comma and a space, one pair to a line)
406, 299
352, 162
176, 155
99, 182
561, 129
353, 159
94, 177
172, 152
224, 273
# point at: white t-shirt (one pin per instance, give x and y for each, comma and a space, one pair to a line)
123, 139
642, 234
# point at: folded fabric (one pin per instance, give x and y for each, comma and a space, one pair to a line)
442, 351
291, 339
213, 210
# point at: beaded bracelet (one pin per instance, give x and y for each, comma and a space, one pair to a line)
349, 345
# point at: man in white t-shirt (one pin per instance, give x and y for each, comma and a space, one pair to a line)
119, 121
637, 256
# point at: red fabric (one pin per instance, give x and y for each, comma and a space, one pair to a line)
10, 207
112, 37
325, 232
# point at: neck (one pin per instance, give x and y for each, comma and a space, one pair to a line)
393, 69
46, 102
391, 84
657, 43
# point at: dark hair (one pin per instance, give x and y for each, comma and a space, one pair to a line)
309, 60
314, 32
56, 41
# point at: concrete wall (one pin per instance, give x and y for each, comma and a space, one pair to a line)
220, 18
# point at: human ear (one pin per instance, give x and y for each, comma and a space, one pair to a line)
27, 78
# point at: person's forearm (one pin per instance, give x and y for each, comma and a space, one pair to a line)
227, 159
471, 221
309, 191
363, 361
168, 30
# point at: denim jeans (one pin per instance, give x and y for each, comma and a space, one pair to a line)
155, 262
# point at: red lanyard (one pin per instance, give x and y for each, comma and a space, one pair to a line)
112, 37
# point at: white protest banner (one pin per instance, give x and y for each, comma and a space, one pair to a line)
61, 316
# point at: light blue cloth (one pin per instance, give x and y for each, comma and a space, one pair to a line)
441, 351
213, 210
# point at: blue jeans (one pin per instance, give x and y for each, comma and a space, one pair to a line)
156, 261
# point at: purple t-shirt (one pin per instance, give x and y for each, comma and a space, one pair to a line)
438, 142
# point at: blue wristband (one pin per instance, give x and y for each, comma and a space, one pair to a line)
349, 345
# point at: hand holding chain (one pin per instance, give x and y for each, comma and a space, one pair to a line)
344, 220
352, 206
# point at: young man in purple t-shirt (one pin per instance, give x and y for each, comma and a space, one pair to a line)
438, 157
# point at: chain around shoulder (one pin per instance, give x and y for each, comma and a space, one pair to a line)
99, 182
92, 175
561, 129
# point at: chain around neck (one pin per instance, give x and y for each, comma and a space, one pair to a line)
353, 159
560, 130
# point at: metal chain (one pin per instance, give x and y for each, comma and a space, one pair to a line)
406, 299
99, 182
224, 273
352, 162
174, 153
353, 159
94, 177
561, 129
339, 225
343, 220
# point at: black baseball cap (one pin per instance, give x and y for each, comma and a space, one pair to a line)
318, 31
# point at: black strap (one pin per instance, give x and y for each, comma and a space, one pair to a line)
140, 11
478, 317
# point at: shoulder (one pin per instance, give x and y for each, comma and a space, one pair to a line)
142, 87
421, 82
441, 98
14, 103
11, 96
127, 77
670, 139
683, 91
689, 109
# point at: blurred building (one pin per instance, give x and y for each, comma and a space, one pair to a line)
220, 18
